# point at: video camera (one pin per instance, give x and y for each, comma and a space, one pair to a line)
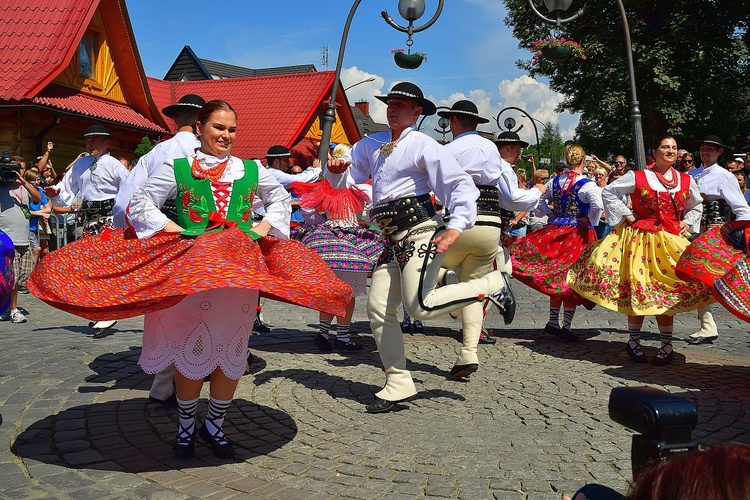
8, 168
665, 422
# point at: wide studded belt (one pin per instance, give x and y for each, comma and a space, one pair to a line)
101, 208
403, 213
488, 202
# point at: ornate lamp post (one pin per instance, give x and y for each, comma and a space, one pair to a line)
411, 10
557, 7
510, 123
443, 124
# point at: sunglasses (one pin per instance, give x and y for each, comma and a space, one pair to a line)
688, 161
619, 163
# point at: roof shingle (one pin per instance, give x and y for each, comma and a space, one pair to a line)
36, 41
276, 109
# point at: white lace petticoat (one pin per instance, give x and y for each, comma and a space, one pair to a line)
203, 331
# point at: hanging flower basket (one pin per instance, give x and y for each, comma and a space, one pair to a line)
556, 50
408, 61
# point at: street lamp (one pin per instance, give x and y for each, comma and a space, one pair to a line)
559, 6
411, 10
443, 123
510, 123
371, 79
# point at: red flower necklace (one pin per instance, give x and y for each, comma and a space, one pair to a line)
214, 173
667, 184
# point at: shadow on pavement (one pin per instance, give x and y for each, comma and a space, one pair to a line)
718, 389
136, 436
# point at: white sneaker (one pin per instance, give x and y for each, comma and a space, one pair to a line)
17, 316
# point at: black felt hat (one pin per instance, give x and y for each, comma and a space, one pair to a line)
712, 139
509, 138
190, 102
409, 91
463, 108
278, 152
96, 131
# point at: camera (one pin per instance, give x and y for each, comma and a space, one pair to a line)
8, 168
664, 421
526, 157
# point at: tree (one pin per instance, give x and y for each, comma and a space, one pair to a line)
144, 147
551, 144
690, 60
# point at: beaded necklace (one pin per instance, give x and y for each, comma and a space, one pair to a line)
664, 182
214, 173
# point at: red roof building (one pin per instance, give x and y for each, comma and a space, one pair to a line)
68, 64
280, 109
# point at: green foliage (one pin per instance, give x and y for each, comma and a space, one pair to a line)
144, 147
691, 61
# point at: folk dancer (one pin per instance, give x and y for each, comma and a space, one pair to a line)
405, 165
196, 280
714, 252
475, 251
542, 259
632, 269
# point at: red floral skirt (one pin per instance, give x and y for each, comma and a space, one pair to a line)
115, 275
542, 259
733, 289
710, 255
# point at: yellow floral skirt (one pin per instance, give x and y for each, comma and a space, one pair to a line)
632, 271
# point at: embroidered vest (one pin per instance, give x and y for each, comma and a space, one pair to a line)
568, 206
196, 208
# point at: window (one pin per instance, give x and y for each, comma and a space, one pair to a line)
87, 56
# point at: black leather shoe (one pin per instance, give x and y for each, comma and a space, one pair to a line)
485, 339
505, 301
182, 448
405, 326
100, 333
323, 343
350, 345
383, 406
170, 402
636, 356
663, 359
259, 326
567, 334
225, 450
552, 330
417, 327
462, 371
702, 340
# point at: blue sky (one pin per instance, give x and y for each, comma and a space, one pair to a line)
471, 53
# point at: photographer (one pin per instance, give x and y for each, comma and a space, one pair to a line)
15, 196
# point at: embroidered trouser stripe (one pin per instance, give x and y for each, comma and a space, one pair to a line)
413, 280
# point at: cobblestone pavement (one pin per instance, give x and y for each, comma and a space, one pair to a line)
532, 423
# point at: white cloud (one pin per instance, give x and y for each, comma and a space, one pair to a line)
533, 96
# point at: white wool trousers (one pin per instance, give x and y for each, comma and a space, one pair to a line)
407, 273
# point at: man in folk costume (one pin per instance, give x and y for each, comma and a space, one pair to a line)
92, 185
477, 247
183, 144
405, 165
712, 254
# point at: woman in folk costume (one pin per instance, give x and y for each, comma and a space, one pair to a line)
333, 230
632, 269
198, 279
541, 260
732, 288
